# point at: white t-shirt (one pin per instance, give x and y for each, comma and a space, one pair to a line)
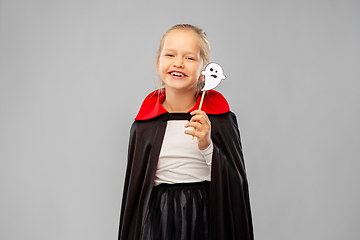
180, 160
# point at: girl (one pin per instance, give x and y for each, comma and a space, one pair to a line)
178, 187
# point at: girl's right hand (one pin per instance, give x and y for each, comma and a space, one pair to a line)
202, 128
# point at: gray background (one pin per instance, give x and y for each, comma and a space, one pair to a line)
74, 73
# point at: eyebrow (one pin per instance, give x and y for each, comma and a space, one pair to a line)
186, 52
169, 49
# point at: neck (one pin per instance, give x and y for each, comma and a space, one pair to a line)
180, 102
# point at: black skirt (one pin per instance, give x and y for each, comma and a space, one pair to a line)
178, 212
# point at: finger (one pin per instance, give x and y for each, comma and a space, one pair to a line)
200, 116
200, 120
199, 113
198, 126
194, 133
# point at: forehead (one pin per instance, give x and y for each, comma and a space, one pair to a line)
182, 39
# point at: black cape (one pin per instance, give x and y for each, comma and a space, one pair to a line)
230, 214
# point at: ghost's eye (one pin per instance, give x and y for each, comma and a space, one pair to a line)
211, 69
215, 71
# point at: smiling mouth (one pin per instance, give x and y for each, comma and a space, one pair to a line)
214, 76
177, 74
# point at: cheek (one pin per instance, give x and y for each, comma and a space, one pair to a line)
160, 67
163, 65
199, 69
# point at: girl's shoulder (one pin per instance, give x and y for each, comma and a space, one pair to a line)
151, 106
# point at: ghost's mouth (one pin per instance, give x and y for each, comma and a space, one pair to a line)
214, 76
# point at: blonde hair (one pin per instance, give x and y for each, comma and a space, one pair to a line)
205, 49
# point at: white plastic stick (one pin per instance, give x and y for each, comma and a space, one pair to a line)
202, 99
201, 102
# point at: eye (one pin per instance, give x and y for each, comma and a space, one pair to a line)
215, 71
169, 55
211, 69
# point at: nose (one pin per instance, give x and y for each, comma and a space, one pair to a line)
178, 62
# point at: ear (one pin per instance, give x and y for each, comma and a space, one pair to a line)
201, 78
157, 66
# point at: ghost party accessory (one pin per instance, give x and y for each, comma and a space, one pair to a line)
213, 75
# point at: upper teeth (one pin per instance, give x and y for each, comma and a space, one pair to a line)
177, 74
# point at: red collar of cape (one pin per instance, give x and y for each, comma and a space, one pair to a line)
214, 103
